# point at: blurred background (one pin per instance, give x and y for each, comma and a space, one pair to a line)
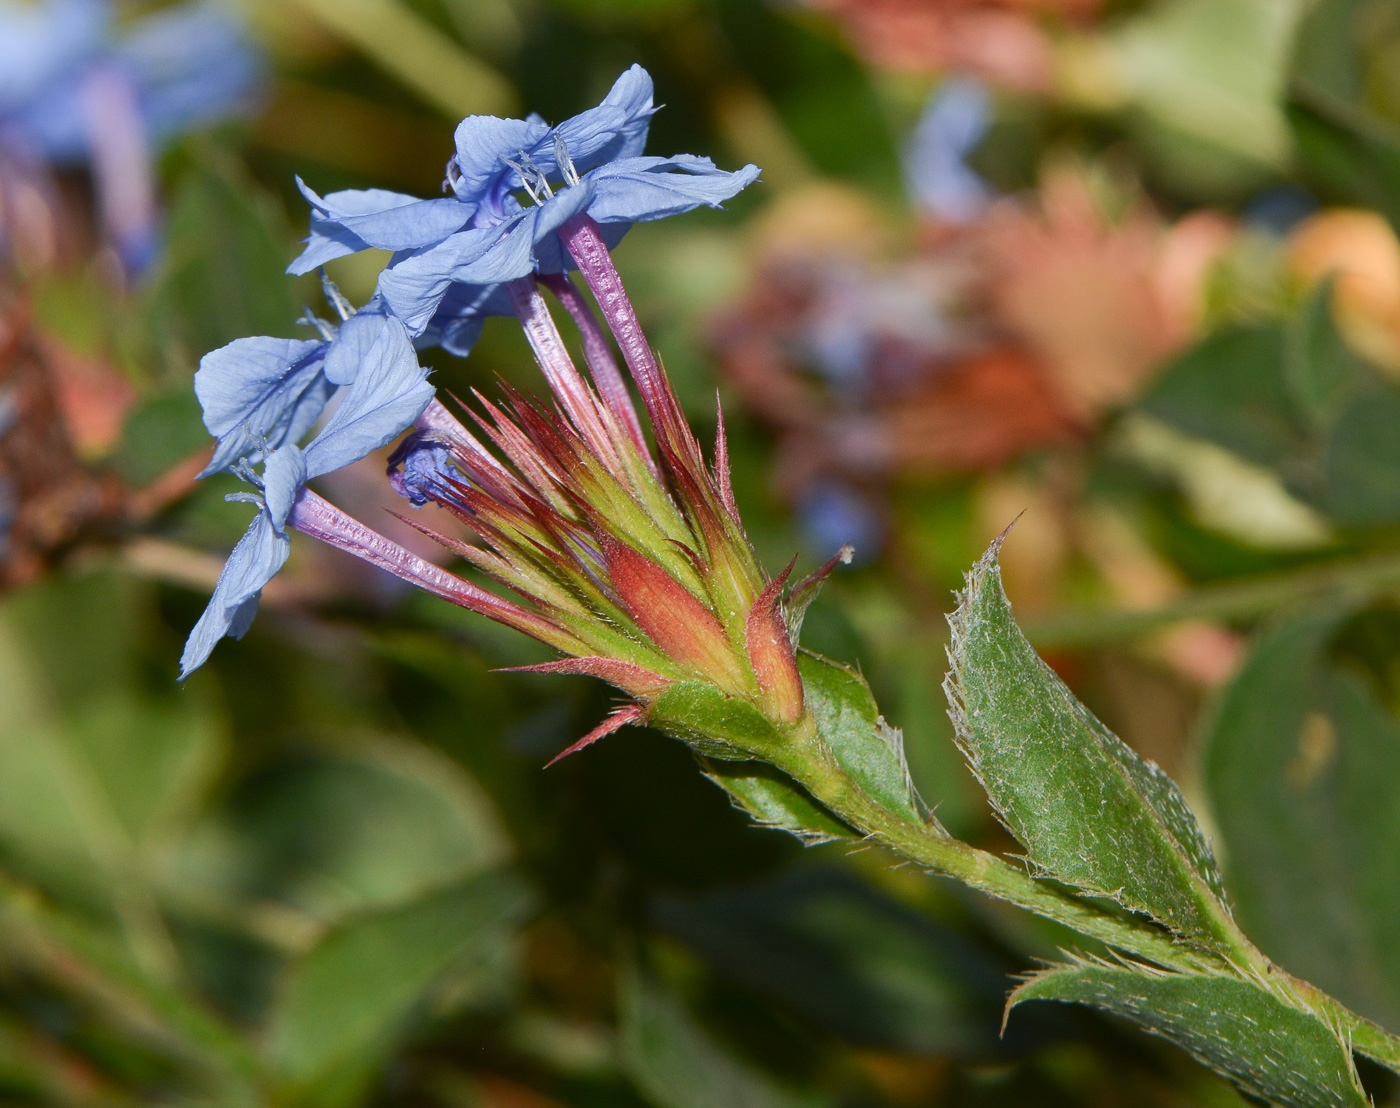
1127, 270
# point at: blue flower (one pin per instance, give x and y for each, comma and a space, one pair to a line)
388, 392
955, 120
259, 393
418, 466
185, 67
74, 90
483, 235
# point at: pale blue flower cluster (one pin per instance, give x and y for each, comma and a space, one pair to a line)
451, 254
452, 257
76, 88
186, 66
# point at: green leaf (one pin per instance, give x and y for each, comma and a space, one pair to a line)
1320, 372
676, 1064
1302, 766
1341, 145
374, 824
165, 430
1229, 390
1286, 1056
1213, 69
1088, 810
843, 955
345, 1005
775, 800
95, 781
1363, 457
83, 962
868, 749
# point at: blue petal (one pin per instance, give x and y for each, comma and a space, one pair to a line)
519, 253
459, 337
353, 220
260, 553
260, 388
389, 393
419, 465
283, 476
482, 141
43, 45
351, 345
414, 286
457, 323
638, 189
956, 118
616, 128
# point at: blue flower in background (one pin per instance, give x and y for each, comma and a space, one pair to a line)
833, 514
387, 390
450, 253
956, 118
78, 88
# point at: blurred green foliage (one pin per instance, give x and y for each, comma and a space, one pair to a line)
330, 871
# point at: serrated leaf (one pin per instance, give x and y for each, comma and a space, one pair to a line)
1088, 810
346, 1004
676, 1064
869, 749
1288, 1057
775, 800
1302, 765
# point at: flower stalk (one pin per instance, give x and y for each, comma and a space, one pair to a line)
633, 564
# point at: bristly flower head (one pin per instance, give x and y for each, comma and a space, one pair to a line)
630, 561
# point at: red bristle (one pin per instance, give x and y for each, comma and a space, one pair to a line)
771, 653
620, 717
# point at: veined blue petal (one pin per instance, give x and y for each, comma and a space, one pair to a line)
414, 286
352, 220
389, 393
638, 189
260, 388
616, 128
481, 141
352, 344
283, 476
260, 553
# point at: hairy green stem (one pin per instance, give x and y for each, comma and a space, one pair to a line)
931, 847
812, 765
